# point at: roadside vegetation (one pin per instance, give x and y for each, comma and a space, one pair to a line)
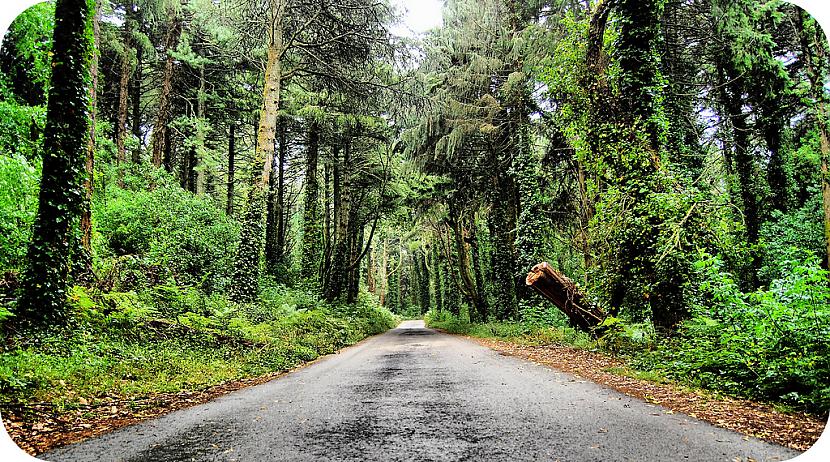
158, 319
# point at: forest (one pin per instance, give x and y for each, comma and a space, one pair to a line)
197, 191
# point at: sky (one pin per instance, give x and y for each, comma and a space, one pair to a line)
419, 16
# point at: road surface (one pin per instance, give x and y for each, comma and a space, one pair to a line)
416, 394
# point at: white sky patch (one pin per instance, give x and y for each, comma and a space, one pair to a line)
418, 16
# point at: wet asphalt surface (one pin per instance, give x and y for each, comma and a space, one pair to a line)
416, 394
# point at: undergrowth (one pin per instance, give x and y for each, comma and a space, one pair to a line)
172, 339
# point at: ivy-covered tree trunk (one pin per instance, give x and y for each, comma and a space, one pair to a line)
439, 277
161, 130
465, 280
639, 278
637, 47
452, 298
61, 197
312, 226
271, 266
424, 291
84, 272
481, 307
345, 216
246, 265
231, 168
275, 233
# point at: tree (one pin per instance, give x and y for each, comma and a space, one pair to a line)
814, 55
65, 145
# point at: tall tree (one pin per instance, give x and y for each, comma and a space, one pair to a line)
61, 197
814, 54
161, 135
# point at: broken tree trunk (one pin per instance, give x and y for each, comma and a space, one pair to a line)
560, 290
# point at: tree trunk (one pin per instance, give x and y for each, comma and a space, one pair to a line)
199, 175
425, 291
384, 274
481, 299
312, 226
85, 273
275, 229
744, 165
160, 130
123, 93
371, 284
246, 268
231, 167
65, 145
814, 54
271, 225
467, 283
328, 212
282, 222
438, 275
560, 290
136, 100
343, 221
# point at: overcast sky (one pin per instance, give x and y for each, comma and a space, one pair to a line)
419, 16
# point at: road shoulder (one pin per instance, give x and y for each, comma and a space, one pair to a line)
794, 430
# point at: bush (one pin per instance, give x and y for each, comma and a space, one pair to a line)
796, 235
171, 232
18, 205
769, 344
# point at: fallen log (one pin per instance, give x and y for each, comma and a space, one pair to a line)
560, 290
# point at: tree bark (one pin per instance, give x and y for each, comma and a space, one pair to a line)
275, 229
65, 145
231, 167
199, 175
282, 227
160, 130
563, 293
136, 100
467, 283
384, 273
246, 270
312, 227
438, 275
85, 273
123, 94
814, 55
343, 224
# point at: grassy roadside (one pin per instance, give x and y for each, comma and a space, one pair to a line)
128, 354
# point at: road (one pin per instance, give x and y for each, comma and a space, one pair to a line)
417, 394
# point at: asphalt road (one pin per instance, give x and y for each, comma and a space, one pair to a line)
416, 394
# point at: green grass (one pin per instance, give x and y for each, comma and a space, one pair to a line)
109, 355
522, 333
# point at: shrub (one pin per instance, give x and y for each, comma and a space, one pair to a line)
796, 235
768, 344
18, 204
185, 236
